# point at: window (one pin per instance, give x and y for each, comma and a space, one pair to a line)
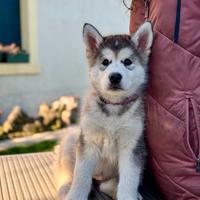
10, 22
20, 22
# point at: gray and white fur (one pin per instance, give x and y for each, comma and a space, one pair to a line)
109, 144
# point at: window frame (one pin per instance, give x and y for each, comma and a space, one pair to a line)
28, 21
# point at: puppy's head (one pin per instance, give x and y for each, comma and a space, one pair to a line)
118, 63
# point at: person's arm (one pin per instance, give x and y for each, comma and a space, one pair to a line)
137, 14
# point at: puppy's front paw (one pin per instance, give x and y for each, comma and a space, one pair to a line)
73, 196
124, 196
63, 190
140, 197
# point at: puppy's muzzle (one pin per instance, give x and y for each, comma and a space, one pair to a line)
115, 79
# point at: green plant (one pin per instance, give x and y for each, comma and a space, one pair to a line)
39, 147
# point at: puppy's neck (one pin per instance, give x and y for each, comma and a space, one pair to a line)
115, 100
117, 107
123, 102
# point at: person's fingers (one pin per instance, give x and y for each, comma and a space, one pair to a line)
15, 51
7, 48
1, 48
12, 46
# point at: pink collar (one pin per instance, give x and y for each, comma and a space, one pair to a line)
125, 101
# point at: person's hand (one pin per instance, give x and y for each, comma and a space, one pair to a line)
11, 49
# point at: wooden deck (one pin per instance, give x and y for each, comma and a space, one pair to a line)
31, 177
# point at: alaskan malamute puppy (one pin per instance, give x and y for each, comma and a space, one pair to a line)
109, 145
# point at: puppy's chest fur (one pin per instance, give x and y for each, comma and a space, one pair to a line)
106, 126
108, 163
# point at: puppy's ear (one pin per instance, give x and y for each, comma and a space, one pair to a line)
143, 38
91, 37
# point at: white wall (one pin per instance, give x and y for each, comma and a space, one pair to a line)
61, 51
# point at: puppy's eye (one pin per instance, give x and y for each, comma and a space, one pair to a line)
105, 62
127, 62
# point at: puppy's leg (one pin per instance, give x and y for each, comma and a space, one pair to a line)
87, 156
65, 173
66, 161
63, 190
110, 187
129, 175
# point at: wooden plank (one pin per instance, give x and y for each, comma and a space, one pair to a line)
26, 182
4, 185
1, 194
50, 176
13, 177
11, 189
44, 178
36, 177
29, 176
21, 179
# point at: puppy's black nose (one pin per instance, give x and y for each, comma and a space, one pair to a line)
115, 78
